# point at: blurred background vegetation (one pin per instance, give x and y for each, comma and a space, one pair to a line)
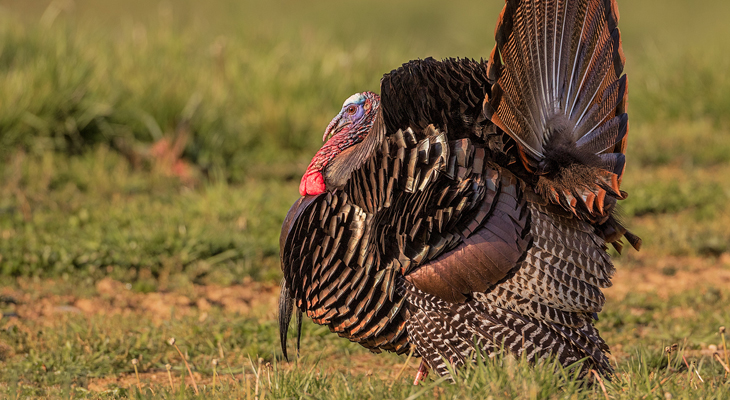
150, 139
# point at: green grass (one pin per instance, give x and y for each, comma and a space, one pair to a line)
93, 213
68, 352
89, 87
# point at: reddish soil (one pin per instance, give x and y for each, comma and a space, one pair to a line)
667, 275
37, 300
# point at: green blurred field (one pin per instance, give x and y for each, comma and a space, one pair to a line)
241, 91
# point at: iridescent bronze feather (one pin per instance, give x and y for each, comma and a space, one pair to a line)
475, 213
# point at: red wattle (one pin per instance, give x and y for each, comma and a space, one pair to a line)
312, 184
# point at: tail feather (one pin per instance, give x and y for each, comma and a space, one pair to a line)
603, 139
613, 162
560, 94
603, 111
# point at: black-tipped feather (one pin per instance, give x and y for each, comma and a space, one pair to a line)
476, 214
286, 307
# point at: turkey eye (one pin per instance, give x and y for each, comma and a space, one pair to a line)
351, 110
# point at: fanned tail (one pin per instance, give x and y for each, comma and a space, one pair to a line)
559, 93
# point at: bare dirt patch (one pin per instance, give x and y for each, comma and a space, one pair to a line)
670, 275
37, 300
41, 300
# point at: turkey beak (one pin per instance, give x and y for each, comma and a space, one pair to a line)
337, 124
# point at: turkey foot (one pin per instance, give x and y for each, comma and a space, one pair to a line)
422, 373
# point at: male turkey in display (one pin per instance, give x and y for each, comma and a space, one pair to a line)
468, 208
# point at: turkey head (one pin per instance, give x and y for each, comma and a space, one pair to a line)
331, 166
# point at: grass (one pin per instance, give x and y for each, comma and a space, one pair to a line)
84, 343
130, 222
150, 151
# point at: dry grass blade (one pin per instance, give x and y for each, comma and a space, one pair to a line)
190, 372
215, 371
663, 381
600, 381
257, 372
719, 359
692, 367
724, 347
405, 364
669, 350
136, 373
168, 367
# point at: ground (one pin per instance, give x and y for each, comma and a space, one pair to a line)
110, 320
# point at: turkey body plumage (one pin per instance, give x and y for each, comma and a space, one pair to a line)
475, 212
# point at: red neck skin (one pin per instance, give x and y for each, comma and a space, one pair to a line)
313, 182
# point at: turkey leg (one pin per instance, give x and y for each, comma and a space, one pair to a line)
422, 373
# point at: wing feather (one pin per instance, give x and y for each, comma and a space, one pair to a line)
437, 231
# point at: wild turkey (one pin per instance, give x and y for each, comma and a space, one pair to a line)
467, 209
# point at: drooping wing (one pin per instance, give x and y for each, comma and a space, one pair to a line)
426, 190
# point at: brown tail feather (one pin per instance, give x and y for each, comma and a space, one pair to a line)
560, 94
